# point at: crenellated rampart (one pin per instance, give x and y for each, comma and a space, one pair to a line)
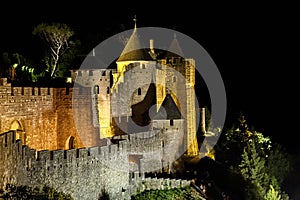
83, 172
44, 116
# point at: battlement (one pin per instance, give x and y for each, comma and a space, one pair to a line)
8, 141
142, 138
3, 82
73, 171
91, 77
30, 91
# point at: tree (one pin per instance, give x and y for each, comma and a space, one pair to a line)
264, 170
57, 38
232, 142
252, 169
262, 163
5, 63
16, 68
272, 194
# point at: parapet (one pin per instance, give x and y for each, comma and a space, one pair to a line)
8, 141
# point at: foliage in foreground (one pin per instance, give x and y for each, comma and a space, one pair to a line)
13, 192
262, 163
168, 194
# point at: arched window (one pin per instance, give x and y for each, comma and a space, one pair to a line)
71, 143
20, 134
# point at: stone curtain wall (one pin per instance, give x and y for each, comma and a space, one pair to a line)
157, 149
32, 108
46, 115
84, 173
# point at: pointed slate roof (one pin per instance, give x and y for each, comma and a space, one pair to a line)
174, 49
134, 49
168, 109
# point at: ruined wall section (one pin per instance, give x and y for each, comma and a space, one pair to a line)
84, 173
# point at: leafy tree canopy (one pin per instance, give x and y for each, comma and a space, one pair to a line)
57, 37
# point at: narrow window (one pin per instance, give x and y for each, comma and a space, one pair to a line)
90, 72
22, 91
139, 91
174, 79
67, 90
171, 122
77, 153
5, 140
65, 154
51, 155
107, 90
79, 73
174, 61
32, 91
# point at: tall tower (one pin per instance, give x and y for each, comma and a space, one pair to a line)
182, 85
134, 74
173, 74
102, 102
191, 107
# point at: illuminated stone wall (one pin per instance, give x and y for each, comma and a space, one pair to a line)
44, 117
84, 173
156, 149
97, 83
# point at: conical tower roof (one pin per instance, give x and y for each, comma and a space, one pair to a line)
174, 49
134, 49
168, 109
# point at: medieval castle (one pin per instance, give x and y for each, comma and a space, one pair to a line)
106, 129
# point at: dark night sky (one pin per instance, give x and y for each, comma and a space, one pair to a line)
251, 45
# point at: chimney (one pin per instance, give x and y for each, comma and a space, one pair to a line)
152, 46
